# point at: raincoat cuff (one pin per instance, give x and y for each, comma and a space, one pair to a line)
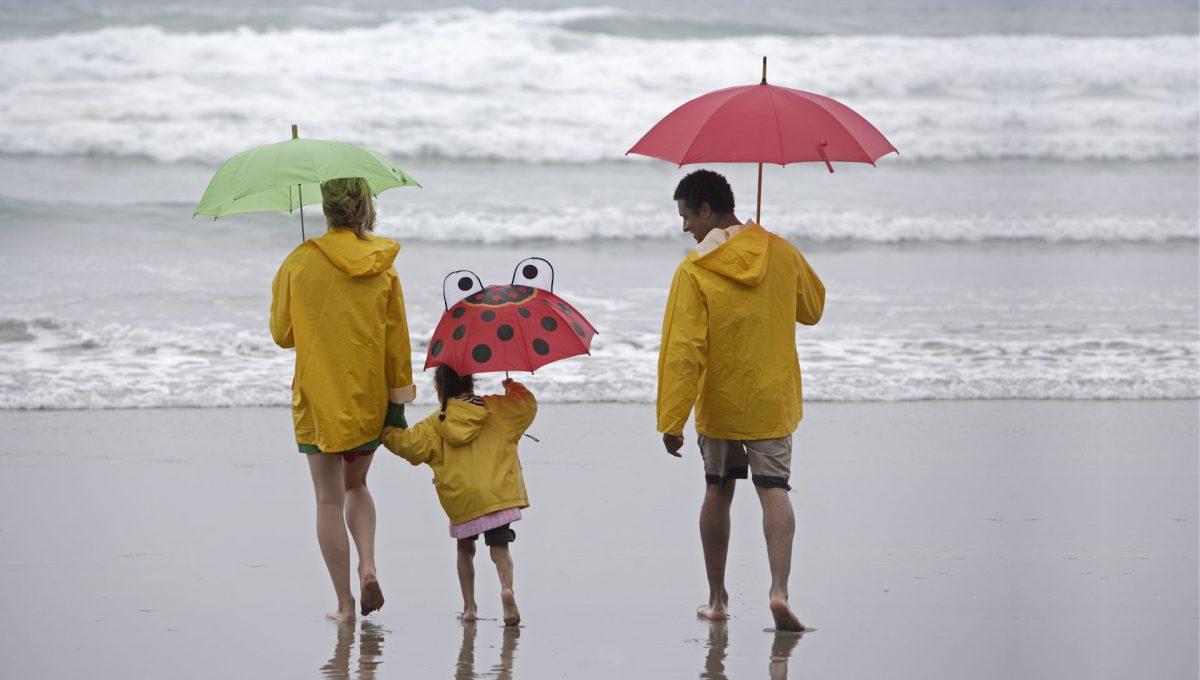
402, 395
395, 416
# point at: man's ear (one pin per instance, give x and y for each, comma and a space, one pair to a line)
705, 210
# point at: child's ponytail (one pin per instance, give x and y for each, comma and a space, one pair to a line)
451, 384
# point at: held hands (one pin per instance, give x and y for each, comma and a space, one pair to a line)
673, 442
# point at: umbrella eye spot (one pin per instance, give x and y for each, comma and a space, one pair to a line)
529, 272
465, 283
505, 332
481, 353
436, 349
541, 347
524, 312
460, 332
578, 329
549, 323
488, 315
457, 313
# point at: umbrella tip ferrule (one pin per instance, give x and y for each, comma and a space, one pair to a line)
764, 78
295, 131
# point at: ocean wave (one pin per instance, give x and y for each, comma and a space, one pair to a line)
540, 86
54, 364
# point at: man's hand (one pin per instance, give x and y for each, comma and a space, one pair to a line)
673, 442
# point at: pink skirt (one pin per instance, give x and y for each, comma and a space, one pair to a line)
474, 527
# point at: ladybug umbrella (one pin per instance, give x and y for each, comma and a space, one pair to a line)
517, 327
763, 124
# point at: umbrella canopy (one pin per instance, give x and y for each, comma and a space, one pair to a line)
515, 327
288, 175
763, 124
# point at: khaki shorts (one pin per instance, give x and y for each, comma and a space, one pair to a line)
769, 459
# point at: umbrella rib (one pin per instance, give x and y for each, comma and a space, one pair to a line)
684, 159
778, 130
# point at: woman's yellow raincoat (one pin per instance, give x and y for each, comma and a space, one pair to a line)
729, 338
473, 452
337, 300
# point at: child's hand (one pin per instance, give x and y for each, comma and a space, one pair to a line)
505, 382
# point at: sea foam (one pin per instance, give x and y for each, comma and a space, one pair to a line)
530, 86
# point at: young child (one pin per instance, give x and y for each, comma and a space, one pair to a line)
471, 444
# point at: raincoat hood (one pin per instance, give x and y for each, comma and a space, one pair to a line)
464, 421
743, 258
355, 256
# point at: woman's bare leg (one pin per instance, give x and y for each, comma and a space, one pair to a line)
360, 518
329, 484
466, 578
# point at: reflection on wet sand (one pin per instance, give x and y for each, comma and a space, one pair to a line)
370, 649
465, 669
718, 649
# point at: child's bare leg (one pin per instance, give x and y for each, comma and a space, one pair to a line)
466, 577
504, 567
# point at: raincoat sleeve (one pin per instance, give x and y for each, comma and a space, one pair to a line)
681, 354
416, 444
521, 406
398, 353
281, 308
810, 294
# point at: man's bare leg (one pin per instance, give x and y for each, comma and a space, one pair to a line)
329, 484
466, 578
714, 537
779, 528
504, 567
360, 518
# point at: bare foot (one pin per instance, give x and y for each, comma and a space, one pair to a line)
785, 620
712, 612
342, 615
372, 595
468, 614
512, 617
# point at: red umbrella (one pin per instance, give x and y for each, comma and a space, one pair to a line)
763, 124
518, 327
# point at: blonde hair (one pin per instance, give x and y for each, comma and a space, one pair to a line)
347, 202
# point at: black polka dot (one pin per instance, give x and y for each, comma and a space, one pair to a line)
529, 271
578, 329
460, 332
488, 315
505, 332
458, 312
465, 283
524, 312
541, 347
481, 353
549, 323
436, 349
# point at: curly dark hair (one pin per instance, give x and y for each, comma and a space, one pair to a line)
451, 384
705, 186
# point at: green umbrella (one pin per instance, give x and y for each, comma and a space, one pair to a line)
288, 175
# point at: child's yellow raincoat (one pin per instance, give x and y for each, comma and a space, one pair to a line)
473, 452
729, 338
337, 300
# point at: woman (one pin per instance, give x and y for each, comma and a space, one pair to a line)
337, 300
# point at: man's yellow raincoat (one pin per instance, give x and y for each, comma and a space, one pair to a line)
729, 338
337, 300
473, 452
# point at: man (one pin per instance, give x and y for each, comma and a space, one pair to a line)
729, 348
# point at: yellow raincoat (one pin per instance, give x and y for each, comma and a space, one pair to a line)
473, 452
729, 338
337, 300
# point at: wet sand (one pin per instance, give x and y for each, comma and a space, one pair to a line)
935, 539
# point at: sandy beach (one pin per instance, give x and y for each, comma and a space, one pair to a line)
1028, 539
